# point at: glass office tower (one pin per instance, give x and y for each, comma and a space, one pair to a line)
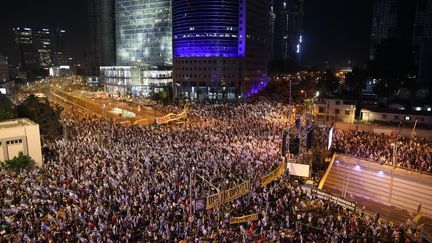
143, 32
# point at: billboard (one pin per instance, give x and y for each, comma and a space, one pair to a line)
296, 169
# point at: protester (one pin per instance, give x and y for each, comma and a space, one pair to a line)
415, 154
107, 182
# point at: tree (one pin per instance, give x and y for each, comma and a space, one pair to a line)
164, 96
328, 83
20, 162
42, 113
6, 108
284, 66
394, 63
356, 82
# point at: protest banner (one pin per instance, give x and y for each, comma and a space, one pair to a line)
278, 172
229, 195
244, 219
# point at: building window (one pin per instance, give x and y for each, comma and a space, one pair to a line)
337, 111
384, 116
396, 117
321, 109
337, 102
347, 112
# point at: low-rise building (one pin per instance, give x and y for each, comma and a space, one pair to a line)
396, 116
342, 110
20, 135
334, 110
134, 80
60, 71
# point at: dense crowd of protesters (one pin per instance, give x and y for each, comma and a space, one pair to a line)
415, 154
107, 182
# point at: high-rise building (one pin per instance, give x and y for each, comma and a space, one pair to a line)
24, 44
4, 69
143, 33
288, 29
143, 30
39, 48
220, 48
271, 30
392, 19
410, 22
422, 41
102, 34
58, 47
42, 41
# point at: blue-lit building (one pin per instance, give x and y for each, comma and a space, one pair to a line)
219, 48
143, 32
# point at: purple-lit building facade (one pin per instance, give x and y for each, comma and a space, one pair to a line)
219, 48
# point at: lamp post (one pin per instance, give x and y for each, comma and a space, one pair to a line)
190, 198
395, 147
217, 189
304, 93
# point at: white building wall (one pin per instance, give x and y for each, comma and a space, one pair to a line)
20, 135
334, 110
371, 116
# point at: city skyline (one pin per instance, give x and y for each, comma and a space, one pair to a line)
322, 23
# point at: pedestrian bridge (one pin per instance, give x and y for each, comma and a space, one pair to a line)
401, 188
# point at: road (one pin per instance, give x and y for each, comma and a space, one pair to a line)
118, 111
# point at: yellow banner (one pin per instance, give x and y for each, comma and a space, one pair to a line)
171, 117
244, 219
229, 195
278, 172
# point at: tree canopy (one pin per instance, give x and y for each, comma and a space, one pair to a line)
40, 111
392, 67
6, 108
328, 83
18, 162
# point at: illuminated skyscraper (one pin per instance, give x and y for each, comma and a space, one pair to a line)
288, 28
143, 32
220, 48
4, 69
24, 44
39, 48
58, 47
43, 47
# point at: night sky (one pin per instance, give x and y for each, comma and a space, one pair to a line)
70, 15
334, 30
